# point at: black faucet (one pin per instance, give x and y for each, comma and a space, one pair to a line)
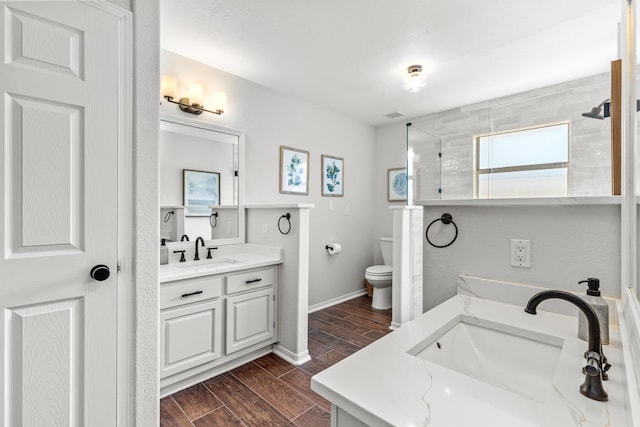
201, 240
184, 238
597, 365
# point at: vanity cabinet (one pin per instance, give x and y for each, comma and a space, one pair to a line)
211, 322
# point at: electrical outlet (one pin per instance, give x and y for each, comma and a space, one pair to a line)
265, 232
229, 227
330, 204
520, 253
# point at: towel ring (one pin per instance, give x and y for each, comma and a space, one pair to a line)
286, 216
213, 220
446, 219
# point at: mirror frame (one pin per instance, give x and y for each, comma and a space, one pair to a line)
184, 121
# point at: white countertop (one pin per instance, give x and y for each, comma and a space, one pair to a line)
383, 384
243, 256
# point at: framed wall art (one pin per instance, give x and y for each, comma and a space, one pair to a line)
397, 184
294, 171
332, 176
201, 189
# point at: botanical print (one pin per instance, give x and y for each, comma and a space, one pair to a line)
201, 190
332, 176
397, 184
294, 170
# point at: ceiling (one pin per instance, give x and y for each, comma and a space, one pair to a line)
351, 56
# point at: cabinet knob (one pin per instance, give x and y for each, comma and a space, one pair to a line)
100, 272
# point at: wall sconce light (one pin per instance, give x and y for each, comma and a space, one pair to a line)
416, 81
193, 104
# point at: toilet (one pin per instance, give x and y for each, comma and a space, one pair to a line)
379, 276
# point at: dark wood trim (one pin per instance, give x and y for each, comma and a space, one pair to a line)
616, 127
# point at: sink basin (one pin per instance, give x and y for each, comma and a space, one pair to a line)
517, 360
210, 263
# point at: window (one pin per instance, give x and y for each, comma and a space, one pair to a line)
524, 163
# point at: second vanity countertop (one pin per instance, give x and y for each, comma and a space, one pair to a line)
384, 384
228, 258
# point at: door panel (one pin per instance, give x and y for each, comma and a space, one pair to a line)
58, 212
250, 319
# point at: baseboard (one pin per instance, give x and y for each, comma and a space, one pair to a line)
337, 300
293, 358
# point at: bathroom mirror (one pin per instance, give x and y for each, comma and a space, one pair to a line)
201, 181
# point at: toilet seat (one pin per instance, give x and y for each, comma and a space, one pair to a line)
379, 270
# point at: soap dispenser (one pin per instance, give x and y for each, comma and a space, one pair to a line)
601, 308
164, 252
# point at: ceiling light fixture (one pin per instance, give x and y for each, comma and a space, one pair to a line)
193, 104
416, 81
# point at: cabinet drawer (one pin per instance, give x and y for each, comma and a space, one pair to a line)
250, 280
188, 291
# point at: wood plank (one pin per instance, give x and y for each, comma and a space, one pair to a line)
220, 417
314, 366
316, 348
279, 394
314, 417
333, 342
371, 324
273, 364
376, 335
196, 401
336, 331
332, 357
344, 323
250, 408
171, 415
301, 381
616, 127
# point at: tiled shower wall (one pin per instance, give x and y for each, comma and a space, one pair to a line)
589, 146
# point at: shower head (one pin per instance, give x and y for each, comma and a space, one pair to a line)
596, 112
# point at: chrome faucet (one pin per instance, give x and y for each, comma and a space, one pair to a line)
201, 240
597, 365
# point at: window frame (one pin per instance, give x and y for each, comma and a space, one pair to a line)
477, 171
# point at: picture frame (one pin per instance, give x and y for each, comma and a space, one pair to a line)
200, 190
332, 171
294, 171
397, 184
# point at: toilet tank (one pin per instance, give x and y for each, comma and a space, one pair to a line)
386, 245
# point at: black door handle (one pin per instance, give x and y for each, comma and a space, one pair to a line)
100, 272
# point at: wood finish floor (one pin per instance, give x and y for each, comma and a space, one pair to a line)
270, 391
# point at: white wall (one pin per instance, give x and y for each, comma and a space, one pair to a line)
391, 146
270, 120
568, 244
142, 329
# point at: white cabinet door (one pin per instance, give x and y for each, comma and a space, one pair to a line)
190, 336
60, 84
250, 319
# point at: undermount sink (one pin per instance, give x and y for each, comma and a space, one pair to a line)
210, 263
516, 360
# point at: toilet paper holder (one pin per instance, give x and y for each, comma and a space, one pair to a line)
333, 248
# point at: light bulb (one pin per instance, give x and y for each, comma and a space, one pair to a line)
195, 94
415, 81
168, 87
219, 101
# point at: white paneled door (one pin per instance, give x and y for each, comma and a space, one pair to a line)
59, 85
